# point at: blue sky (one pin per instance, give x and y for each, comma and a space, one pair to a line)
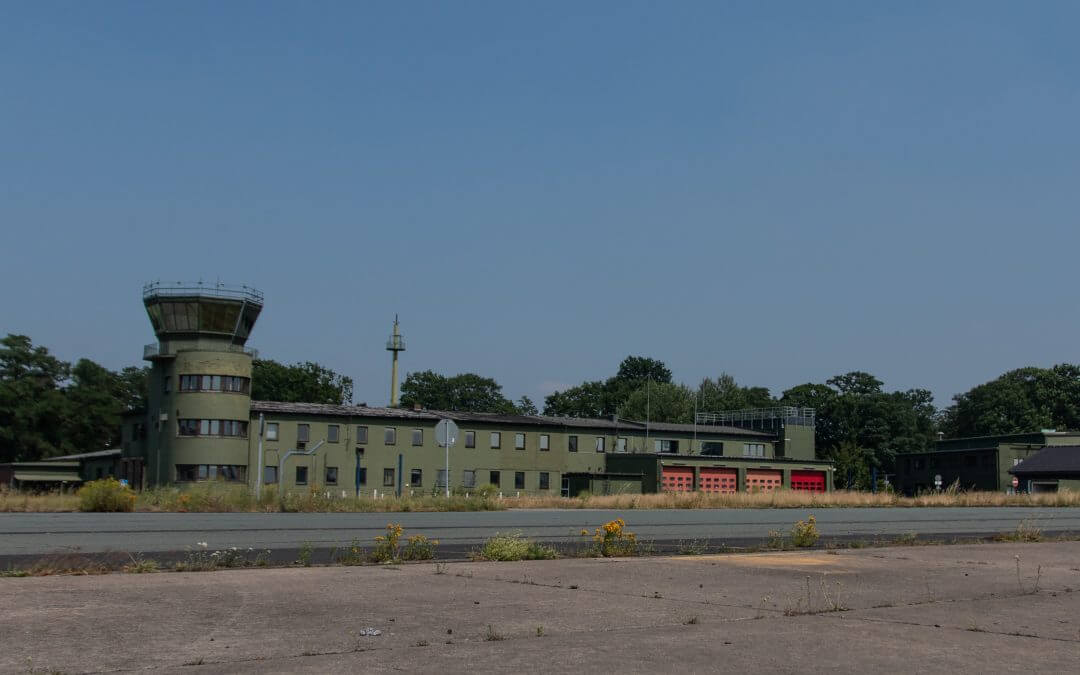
781, 191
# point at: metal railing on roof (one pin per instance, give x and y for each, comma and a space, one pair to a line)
156, 350
164, 289
789, 414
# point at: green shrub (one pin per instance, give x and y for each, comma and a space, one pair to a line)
419, 547
106, 496
387, 548
508, 547
805, 534
612, 540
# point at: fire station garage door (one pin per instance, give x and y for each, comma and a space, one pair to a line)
764, 480
677, 479
808, 481
723, 481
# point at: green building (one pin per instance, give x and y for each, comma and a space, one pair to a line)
975, 463
201, 425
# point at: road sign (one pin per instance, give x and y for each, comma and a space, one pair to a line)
446, 433
937, 481
1016, 482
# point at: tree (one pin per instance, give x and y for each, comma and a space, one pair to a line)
1019, 401
525, 406
31, 401
602, 399
306, 382
133, 387
94, 405
466, 392
724, 393
660, 402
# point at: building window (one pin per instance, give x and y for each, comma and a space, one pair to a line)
361, 475
714, 448
303, 433
496, 439
417, 436
519, 441
753, 449
227, 428
440, 478
493, 478
331, 475
233, 473
571, 443
388, 477
599, 443
545, 442
166, 384
544, 480
332, 432
620, 444
361, 435
468, 478
389, 436
269, 475
228, 383
519, 480
663, 445
416, 478
271, 431
470, 439
301, 475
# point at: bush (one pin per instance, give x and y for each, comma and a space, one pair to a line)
419, 547
107, 495
508, 547
387, 548
612, 540
805, 533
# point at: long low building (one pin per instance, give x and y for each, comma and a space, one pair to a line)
201, 424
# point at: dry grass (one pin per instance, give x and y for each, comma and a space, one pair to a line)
218, 497
788, 499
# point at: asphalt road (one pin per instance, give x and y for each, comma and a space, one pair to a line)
28, 534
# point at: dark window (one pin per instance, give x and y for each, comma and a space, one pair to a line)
388, 477
416, 478
362, 475
361, 435
440, 478
236, 428
301, 475
714, 448
493, 478
303, 432
571, 443
269, 475
470, 439
417, 436
332, 432
544, 478
331, 475
519, 480
166, 385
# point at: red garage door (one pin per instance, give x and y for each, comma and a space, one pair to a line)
677, 479
714, 479
763, 480
808, 481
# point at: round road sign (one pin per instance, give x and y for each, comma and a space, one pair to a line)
446, 433
1016, 482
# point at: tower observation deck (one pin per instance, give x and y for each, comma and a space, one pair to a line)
197, 311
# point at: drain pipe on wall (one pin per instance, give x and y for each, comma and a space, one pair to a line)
259, 465
287, 455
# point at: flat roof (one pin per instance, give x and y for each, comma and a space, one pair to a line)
1051, 460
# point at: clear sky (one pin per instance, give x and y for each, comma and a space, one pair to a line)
780, 190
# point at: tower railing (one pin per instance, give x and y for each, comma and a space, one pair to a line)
160, 289
790, 414
156, 350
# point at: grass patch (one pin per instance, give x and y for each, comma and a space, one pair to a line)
1025, 531
514, 546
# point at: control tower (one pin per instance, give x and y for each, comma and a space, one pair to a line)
199, 402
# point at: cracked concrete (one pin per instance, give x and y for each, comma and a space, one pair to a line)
929, 608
